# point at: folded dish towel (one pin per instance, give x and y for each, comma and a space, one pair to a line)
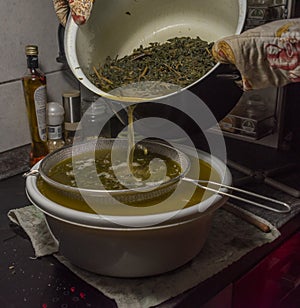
229, 239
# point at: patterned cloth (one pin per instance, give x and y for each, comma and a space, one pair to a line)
266, 56
80, 10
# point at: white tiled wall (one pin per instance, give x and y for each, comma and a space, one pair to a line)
21, 23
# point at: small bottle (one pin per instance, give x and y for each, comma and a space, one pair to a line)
55, 119
95, 121
72, 106
34, 86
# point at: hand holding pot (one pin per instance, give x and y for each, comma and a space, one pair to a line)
268, 55
80, 10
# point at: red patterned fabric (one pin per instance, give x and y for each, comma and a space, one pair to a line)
266, 56
80, 10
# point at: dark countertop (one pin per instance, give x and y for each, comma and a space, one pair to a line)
44, 282
14, 161
29, 282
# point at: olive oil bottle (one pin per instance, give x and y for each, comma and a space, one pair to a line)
34, 86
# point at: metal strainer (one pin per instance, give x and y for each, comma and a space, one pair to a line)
148, 193
151, 193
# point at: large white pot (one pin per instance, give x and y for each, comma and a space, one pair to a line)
116, 27
106, 245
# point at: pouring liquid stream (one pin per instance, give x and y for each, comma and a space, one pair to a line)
131, 146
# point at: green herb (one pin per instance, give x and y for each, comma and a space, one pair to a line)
179, 61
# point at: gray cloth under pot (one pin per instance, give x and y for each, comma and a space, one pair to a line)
229, 239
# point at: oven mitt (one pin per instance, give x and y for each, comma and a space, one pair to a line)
80, 10
266, 56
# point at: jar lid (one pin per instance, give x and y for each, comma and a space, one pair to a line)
71, 93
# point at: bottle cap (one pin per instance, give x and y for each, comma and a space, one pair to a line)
98, 107
31, 50
55, 113
72, 106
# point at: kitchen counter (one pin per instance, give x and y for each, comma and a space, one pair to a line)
14, 161
44, 282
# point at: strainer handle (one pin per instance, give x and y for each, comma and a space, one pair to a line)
31, 172
286, 207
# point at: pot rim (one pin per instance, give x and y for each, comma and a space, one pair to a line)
117, 227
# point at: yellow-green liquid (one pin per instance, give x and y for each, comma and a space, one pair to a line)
63, 172
39, 147
146, 207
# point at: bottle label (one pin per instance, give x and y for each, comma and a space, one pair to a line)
55, 132
40, 101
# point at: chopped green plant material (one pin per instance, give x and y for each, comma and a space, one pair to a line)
179, 61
